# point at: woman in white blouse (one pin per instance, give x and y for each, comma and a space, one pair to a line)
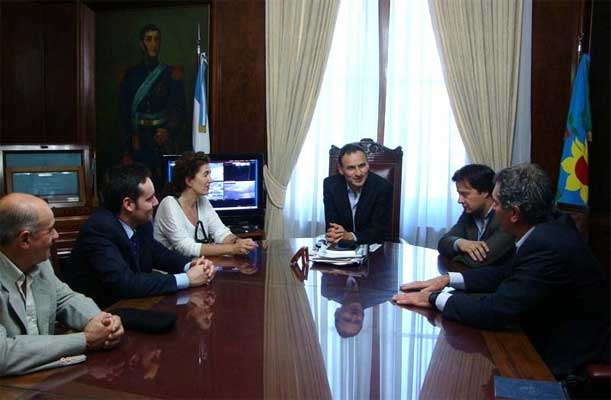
188, 224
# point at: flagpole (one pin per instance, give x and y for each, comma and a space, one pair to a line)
198, 46
200, 129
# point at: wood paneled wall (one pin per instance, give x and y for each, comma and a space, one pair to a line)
237, 72
555, 32
600, 166
39, 89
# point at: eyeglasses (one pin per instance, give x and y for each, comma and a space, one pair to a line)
202, 237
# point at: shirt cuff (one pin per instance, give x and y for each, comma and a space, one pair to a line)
455, 245
442, 299
354, 237
182, 281
187, 266
183, 298
457, 281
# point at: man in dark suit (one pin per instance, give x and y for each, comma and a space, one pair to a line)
115, 253
355, 293
357, 202
553, 288
476, 239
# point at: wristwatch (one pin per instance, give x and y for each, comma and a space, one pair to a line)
433, 298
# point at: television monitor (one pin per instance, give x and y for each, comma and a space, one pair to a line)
53, 184
237, 183
59, 174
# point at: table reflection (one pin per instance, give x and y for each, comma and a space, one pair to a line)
266, 330
370, 347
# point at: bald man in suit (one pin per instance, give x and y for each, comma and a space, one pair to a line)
32, 298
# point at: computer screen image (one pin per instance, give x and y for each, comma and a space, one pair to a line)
53, 186
236, 186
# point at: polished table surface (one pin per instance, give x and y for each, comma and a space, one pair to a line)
268, 329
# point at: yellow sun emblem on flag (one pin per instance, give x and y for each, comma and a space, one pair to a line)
576, 167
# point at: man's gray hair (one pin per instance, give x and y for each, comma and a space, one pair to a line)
13, 220
527, 187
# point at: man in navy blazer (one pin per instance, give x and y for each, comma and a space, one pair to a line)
115, 253
357, 202
554, 288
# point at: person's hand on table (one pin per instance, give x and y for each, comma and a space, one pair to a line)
477, 250
418, 299
336, 232
103, 331
201, 272
431, 285
244, 246
116, 330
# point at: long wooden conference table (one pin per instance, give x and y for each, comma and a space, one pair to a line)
268, 329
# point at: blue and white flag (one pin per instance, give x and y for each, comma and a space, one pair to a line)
201, 129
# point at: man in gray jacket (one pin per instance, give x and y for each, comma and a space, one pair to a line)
32, 298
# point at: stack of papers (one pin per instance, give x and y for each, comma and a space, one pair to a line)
340, 257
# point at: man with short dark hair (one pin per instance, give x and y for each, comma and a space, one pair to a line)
357, 202
476, 239
115, 253
554, 288
32, 298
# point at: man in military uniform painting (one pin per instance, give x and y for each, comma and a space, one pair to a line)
151, 106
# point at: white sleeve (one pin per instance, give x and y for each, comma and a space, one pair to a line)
214, 225
169, 230
457, 281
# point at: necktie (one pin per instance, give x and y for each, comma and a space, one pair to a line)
135, 250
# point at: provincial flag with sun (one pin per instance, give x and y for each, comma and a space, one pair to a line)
574, 165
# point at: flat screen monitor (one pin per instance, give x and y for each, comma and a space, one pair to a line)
53, 184
237, 182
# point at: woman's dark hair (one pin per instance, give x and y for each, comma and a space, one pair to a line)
187, 166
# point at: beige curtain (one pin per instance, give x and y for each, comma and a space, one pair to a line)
479, 43
293, 364
298, 36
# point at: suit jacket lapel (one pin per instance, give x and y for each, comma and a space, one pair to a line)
344, 206
127, 246
42, 299
472, 229
15, 302
364, 200
492, 225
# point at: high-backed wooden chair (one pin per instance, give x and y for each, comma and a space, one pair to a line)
60, 251
385, 162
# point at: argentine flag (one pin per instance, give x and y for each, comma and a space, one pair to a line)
201, 130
